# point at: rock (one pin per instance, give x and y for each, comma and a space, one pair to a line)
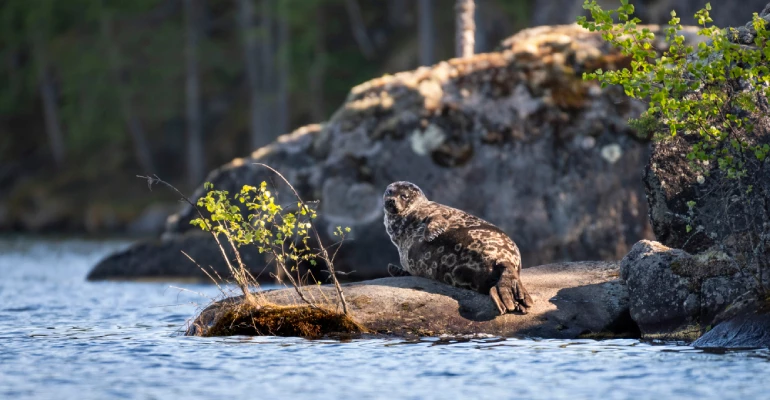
515, 137
675, 295
151, 221
571, 299
163, 260
746, 327
745, 331
719, 221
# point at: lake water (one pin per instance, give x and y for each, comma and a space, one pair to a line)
64, 338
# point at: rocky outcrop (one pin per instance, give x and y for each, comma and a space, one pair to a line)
717, 213
516, 137
676, 295
697, 205
571, 299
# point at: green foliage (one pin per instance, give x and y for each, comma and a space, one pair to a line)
690, 90
262, 223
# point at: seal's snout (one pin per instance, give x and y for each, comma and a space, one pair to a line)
390, 205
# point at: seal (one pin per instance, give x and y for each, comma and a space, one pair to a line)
449, 245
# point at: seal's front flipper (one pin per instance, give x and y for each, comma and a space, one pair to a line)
434, 228
509, 294
395, 270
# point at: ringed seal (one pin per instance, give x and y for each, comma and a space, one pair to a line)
449, 245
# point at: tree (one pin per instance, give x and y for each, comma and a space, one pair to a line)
248, 35
466, 27
317, 70
195, 160
284, 70
38, 27
426, 34
132, 121
359, 28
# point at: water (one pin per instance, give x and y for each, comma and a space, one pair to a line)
64, 338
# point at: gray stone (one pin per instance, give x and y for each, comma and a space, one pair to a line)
676, 295
660, 301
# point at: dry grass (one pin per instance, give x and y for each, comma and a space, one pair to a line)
275, 320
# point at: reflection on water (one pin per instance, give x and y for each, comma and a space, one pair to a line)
62, 337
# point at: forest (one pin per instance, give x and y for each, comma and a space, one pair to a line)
95, 92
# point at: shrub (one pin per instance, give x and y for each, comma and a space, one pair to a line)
713, 99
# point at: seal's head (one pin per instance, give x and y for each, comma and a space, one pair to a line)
401, 197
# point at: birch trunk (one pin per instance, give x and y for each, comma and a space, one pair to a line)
466, 27
317, 70
284, 70
426, 32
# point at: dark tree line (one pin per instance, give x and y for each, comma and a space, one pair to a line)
178, 86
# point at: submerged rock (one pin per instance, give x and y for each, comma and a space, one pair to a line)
744, 331
571, 299
748, 326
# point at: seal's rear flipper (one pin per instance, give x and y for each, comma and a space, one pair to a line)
509, 294
395, 270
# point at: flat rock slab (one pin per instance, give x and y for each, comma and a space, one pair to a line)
571, 299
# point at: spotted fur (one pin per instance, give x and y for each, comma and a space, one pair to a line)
449, 245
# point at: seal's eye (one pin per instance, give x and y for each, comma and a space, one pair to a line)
404, 196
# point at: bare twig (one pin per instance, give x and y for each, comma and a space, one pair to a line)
243, 285
324, 253
204, 271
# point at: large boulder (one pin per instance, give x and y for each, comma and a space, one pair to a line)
676, 295
571, 300
516, 137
